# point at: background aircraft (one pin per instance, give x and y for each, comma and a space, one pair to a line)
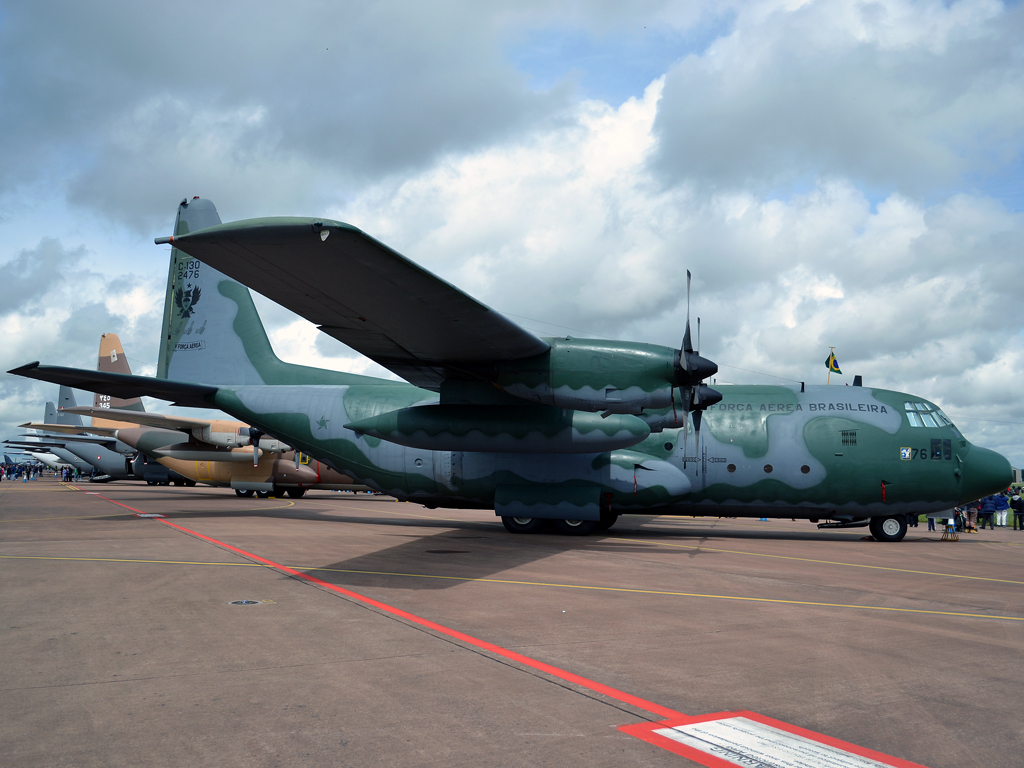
561, 429
220, 453
107, 457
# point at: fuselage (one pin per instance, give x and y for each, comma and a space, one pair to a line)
762, 451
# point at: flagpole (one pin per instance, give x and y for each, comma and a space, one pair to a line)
832, 352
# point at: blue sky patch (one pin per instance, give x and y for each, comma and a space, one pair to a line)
613, 66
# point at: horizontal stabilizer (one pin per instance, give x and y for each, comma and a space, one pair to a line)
122, 385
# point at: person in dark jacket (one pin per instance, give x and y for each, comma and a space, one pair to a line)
987, 512
1017, 502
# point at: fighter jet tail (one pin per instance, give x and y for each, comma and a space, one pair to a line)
211, 330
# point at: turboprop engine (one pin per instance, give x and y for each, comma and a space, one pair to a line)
618, 377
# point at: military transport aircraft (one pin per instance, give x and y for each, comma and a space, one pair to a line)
184, 451
102, 454
214, 452
573, 431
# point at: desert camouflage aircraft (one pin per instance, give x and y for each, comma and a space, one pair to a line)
572, 431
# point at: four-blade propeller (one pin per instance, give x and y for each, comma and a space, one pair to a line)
691, 371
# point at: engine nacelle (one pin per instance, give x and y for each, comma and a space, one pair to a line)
595, 375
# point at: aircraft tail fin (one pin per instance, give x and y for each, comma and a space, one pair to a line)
54, 416
211, 331
112, 359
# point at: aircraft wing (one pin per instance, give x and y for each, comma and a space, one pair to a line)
140, 417
43, 444
121, 384
109, 442
69, 429
364, 294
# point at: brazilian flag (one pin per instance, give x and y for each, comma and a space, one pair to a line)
831, 363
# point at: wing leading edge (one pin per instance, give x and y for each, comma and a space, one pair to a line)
364, 294
121, 385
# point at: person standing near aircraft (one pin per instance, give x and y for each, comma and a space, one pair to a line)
971, 515
1002, 508
987, 512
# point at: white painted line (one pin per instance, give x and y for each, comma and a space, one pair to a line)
740, 741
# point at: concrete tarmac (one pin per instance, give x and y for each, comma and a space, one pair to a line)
121, 647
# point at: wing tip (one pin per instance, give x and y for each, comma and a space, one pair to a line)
22, 370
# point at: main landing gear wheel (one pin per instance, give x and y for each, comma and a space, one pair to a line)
522, 524
262, 494
576, 527
888, 528
607, 521
243, 494
296, 493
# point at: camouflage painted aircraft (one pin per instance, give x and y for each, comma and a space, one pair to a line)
574, 432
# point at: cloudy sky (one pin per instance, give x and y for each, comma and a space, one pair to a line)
843, 174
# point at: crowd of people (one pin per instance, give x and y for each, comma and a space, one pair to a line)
993, 511
34, 471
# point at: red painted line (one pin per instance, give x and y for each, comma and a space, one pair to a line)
605, 690
646, 732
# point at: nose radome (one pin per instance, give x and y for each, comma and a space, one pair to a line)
985, 472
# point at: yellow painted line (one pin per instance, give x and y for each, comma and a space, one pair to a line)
811, 560
589, 587
739, 552
126, 560
76, 517
131, 514
666, 593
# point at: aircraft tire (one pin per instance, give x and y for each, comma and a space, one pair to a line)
189, 483
262, 494
523, 524
576, 527
243, 494
607, 521
296, 493
892, 528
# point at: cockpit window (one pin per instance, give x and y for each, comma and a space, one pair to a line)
926, 415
